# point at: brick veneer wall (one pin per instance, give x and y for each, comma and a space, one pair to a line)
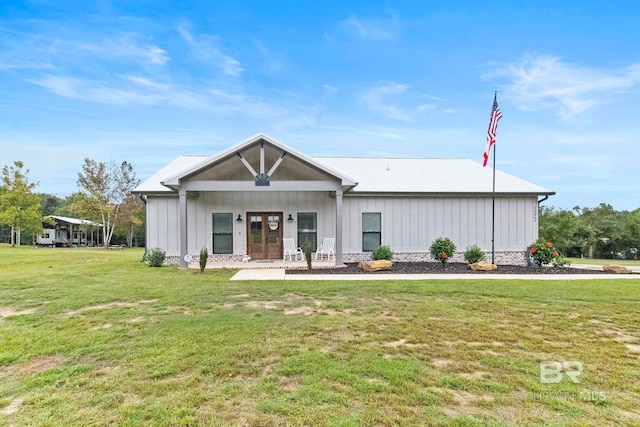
175, 259
502, 257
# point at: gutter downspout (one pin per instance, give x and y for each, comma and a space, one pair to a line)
543, 199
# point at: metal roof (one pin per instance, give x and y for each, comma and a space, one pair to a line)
75, 221
396, 175
183, 163
370, 175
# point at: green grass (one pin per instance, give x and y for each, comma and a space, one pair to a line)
98, 338
604, 261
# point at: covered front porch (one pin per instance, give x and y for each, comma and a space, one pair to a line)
246, 201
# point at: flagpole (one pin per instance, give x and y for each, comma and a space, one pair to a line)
491, 139
493, 207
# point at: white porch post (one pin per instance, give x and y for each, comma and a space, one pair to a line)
339, 226
182, 225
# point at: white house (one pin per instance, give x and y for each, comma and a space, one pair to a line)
245, 200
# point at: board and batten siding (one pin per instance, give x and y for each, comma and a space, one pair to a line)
411, 224
163, 211
162, 223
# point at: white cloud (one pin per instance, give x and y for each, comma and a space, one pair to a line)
46, 52
204, 48
128, 47
385, 97
184, 33
270, 61
125, 91
545, 82
371, 28
329, 91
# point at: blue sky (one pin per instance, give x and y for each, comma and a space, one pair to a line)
146, 81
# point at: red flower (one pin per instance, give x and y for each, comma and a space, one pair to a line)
555, 253
533, 250
444, 255
549, 245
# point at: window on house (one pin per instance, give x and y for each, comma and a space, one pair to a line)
308, 229
222, 233
371, 230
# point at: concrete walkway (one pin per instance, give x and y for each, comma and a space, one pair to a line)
280, 275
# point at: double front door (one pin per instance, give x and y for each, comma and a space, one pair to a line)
264, 235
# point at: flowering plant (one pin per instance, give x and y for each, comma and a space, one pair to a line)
544, 253
442, 249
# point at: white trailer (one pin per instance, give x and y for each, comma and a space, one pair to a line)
47, 238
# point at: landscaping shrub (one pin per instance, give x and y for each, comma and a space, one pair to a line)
474, 254
545, 253
442, 249
307, 249
204, 254
382, 252
155, 257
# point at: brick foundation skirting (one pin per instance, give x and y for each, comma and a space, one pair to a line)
501, 257
175, 259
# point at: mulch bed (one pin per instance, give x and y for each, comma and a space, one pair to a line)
450, 268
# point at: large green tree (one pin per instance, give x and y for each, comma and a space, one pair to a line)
558, 226
50, 203
601, 230
632, 233
132, 215
19, 206
104, 187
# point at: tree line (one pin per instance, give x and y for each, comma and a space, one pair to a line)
104, 197
600, 232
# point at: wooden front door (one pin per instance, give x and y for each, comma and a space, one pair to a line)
264, 235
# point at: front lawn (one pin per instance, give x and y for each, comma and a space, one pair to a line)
94, 337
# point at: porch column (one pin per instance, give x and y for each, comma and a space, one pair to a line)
339, 226
182, 226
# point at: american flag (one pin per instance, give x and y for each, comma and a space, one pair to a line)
493, 129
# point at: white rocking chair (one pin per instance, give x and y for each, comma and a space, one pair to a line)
290, 250
328, 248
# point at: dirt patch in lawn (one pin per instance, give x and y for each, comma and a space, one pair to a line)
178, 309
631, 342
40, 364
105, 326
307, 311
290, 383
110, 305
291, 304
441, 363
10, 311
403, 343
476, 375
463, 400
633, 348
13, 407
